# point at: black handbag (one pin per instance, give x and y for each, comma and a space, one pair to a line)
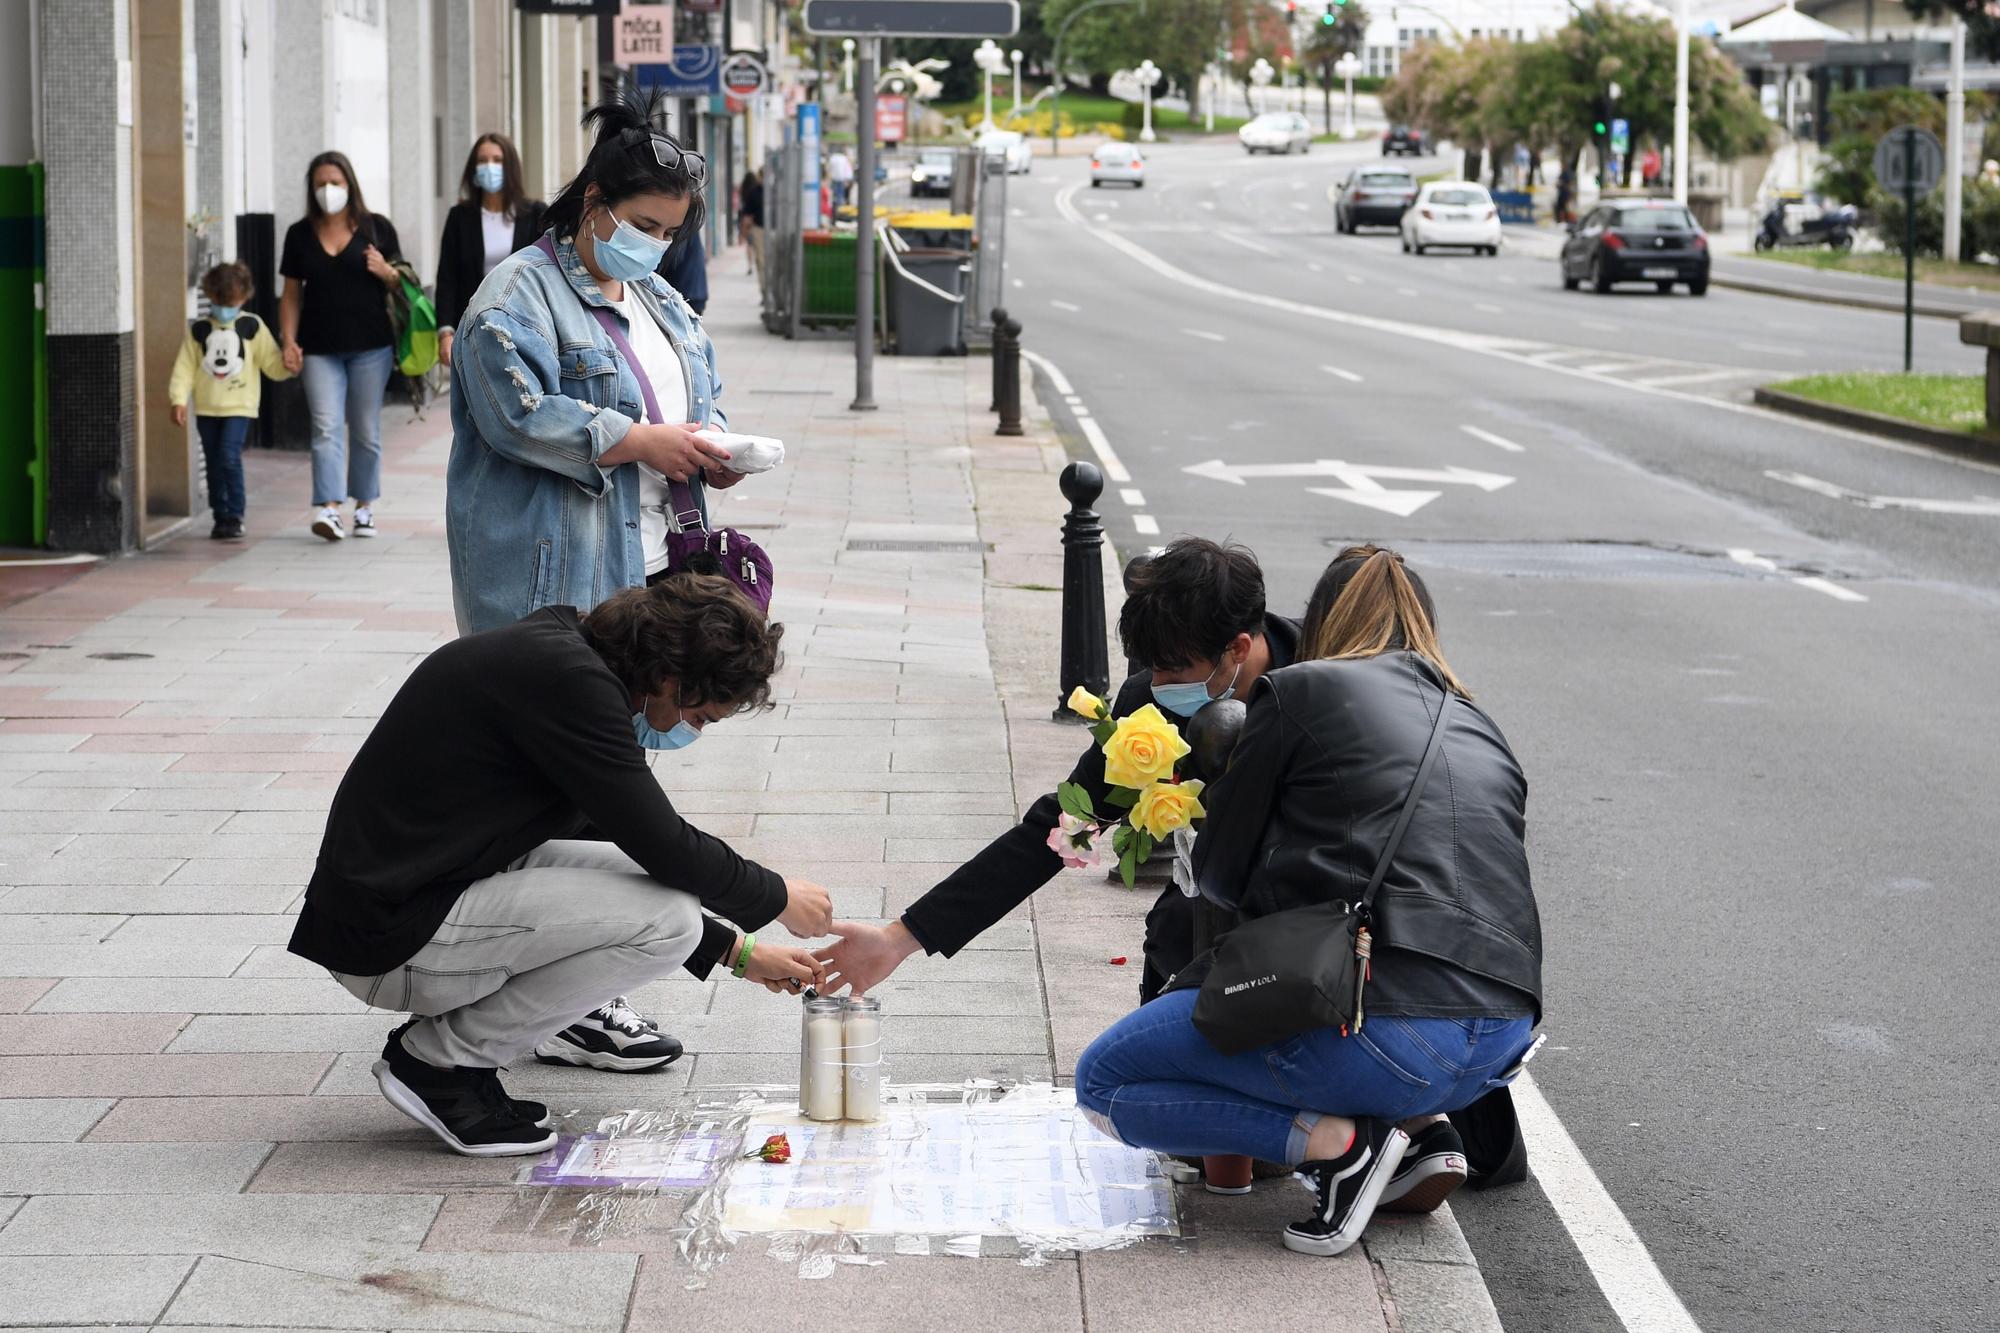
1290, 972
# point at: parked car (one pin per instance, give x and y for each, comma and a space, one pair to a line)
933, 172
1652, 240
1401, 140
1373, 197
1456, 213
1117, 162
1013, 146
1277, 132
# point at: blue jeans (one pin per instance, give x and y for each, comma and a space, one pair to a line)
1162, 1086
222, 451
344, 389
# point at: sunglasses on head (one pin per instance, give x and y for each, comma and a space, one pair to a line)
676, 158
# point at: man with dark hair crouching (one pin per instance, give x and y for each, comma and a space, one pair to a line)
499, 854
1195, 615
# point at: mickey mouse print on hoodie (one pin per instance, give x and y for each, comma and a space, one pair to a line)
221, 365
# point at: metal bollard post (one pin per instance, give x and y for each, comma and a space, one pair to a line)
1007, 348
999, 323
1083, 653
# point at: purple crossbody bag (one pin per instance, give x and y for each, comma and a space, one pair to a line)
695, 549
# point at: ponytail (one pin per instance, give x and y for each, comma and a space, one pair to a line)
622, 164
1367, 603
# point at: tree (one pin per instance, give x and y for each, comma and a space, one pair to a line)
1179, 36
1327, 43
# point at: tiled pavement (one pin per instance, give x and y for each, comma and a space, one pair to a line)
189, 1133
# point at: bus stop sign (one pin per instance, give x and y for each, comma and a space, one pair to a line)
913, 18
1909, 158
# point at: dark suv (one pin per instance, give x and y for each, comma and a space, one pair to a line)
1654, 241
1373, 197
1401, 140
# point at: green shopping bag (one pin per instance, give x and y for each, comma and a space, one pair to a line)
416, 331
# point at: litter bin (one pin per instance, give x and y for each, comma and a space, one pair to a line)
927, 300
829, 277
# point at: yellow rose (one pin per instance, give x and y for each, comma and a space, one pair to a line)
1166, 806
1144, 748
1085, 704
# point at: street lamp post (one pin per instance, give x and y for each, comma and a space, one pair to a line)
1260, 74
1148, 74
847, 64
989, 58
1681, 105
1015, 56
1347, 67
1056, 68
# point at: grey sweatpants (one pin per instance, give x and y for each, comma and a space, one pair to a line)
526, 952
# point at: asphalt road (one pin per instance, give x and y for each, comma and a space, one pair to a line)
1762, 809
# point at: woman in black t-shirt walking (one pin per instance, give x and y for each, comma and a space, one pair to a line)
334, 316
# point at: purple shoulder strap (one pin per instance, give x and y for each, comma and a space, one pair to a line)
678, 492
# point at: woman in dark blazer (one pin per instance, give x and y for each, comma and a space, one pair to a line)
493, 218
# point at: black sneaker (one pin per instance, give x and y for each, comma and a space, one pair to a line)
1432, 1167
467, 1108
533, 1112
615, 1037
1347, 1188
226, 530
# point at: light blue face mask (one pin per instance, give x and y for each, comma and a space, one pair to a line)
1188, 699
223, 314
628, 254
489, 176
676, 737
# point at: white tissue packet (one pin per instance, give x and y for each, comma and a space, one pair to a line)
747, 453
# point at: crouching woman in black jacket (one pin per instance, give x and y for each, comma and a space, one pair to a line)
1328, 754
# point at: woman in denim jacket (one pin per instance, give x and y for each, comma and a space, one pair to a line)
555, 494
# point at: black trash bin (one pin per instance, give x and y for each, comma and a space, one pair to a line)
927, 301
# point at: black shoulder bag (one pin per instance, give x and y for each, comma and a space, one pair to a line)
1279, 975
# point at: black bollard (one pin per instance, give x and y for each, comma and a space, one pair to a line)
1007, 349
1084, 661
999, 323
1134, 666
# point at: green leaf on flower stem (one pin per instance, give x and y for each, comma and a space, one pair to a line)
1128, 868
1144, 847
1122, 797
1121, 838
1101, 731
1075, 801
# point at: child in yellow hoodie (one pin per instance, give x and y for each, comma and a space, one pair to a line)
221, 366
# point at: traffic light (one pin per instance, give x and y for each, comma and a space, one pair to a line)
1327, 19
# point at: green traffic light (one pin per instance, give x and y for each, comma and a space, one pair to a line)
1599, 127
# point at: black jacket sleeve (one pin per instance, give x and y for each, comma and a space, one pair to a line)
1239, 803
1011, 867
452, 294
583, 744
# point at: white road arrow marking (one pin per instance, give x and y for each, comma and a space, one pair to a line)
1983, 505
1361, 482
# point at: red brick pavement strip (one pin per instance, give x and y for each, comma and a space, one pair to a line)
17, 993
61, 1034
162, 1075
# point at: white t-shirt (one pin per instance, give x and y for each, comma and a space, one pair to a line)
498, 232
840, 167
663, 368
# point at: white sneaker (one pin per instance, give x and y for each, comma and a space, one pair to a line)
326, 523
364, 521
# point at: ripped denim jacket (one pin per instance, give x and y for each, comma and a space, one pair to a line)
539, 394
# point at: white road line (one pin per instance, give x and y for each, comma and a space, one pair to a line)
1130, 495
1496, 441
1100, 445
1315, 268
1018, 283
1486, 308
1697, 377
1204, 333
1056, 377
1302, 205
1255, 247
1831, 589
1146, 525
1406, 291
1065, 305
1356, 279
1601, 326
1479, 344
1632, 1283
1347, 375
1208, 204
1772, 349
1745, 556
1509, 281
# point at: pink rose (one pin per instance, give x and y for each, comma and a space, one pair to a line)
1075, 841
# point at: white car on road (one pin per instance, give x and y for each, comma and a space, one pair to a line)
1277, 132
1115, 161
1012, 145
1454, 213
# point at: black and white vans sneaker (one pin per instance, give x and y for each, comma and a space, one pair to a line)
364, 521
467, 1108
326, 523
1346, 1189
1432, 1167
614, 1037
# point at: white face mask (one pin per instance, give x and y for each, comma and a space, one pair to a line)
332, 198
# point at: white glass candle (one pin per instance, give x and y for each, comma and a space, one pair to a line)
863, 1035
822, 1096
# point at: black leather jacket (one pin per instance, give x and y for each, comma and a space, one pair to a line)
1326, 758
